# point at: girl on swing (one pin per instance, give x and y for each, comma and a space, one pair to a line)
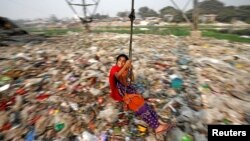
120, 87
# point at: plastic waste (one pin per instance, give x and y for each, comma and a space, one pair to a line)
30, 135
104, 136
42, 96
15, 118
74, 106
1, 137
176, 81
226, 121
183, 61
21, 56
186, 137
205, 88
59, 126
34, 119
110, 114
86, 136
20, 91
248, 117
3, 105
100, 100
5, 78
5, 87
117, 130
6, 126
142, 130
53, 111
127, 138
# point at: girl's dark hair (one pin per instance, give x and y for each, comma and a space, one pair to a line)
121, 55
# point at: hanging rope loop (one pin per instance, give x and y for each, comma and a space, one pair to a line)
132, 15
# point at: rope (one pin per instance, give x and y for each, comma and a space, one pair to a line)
132, 18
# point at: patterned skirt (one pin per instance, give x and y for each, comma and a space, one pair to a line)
147, 114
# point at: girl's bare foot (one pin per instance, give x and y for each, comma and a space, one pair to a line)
163, 128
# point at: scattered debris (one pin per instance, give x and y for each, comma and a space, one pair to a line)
58, 90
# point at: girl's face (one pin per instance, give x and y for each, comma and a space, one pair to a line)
121, 61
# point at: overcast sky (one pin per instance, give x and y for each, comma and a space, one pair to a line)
30, 9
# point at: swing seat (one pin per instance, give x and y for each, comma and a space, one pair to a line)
134, 101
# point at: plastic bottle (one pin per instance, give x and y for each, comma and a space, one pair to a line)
186, 137
59, 126
31, 135
176, 81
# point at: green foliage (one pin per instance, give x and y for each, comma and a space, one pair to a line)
123, 14
54, 32
53, 19
168, 10
230, 37
238, 32
210, 7
99, 16
227, 14
147, 12
243, 13
177, 31
172, 11
224, 14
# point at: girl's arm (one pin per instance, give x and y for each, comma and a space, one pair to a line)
122, 74
124, 70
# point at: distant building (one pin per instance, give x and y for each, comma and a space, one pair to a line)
168, 17
150, 21
152, 18
208, 18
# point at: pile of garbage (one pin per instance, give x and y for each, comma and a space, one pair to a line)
11, 34
59, 90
